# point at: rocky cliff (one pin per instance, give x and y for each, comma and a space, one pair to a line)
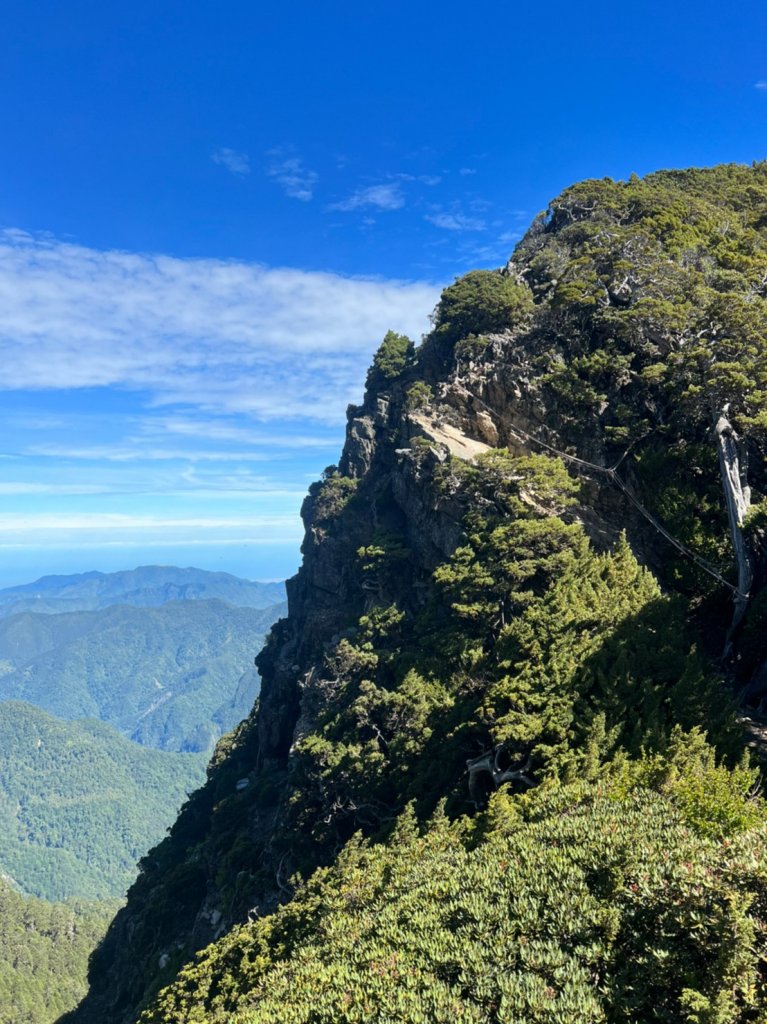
520, 576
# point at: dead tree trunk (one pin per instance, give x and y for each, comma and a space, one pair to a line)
737, 495
490, 766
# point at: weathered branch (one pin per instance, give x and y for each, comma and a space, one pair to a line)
737, 495
489, 763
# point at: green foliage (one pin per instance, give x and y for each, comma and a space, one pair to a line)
609, 912
532, 644
79, 805
418, 395
480, 302
516, 542
331, 495
656, 290
470, 348
44, 951
383, 561
716, 800
394, 355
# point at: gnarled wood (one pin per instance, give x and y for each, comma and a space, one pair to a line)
489, 764
737, 495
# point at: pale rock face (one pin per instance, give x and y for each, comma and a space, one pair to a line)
487, 428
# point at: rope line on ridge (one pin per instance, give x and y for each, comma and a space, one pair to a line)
612, 476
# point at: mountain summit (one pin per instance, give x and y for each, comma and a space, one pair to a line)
497, 770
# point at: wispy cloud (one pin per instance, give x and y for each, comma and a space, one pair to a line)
289, 172
274, 343
237, 163
455, 221
220, 430
136, 452
761, 84
105, 529
23, 487
423, 179
388, 196
10, 523
464, 171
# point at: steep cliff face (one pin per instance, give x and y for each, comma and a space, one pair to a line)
466, 594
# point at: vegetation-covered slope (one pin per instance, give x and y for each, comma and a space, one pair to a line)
45, 948
174, 677
499, 670
79, 804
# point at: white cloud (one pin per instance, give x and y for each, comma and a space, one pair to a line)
423, 179
106, 529
133, 451
237, 163
226, 430
274, 343
455, 221
762, 84
18, 487
294, 179
11, 523
467, 170
381, 197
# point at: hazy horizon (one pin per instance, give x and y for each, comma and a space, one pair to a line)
264, 564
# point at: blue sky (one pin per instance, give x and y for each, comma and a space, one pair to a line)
211, 213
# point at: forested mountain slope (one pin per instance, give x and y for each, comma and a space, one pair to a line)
500, 718
79, 804
174, 677
45, 948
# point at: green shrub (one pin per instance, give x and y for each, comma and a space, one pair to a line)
598, 911
418, 396
480, 302
331, 495
394, 355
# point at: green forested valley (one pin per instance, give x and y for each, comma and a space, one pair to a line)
174, 677
80, 804
45, 948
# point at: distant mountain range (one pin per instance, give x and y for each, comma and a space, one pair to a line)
145, 587
79, 804
113, 690
174, 677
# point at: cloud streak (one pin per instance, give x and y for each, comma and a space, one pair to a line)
380, 197
295, 180
224, 336
455, 222
104, 529
237, 163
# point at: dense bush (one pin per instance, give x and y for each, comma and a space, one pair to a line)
395, 353
331, 495
568, 909
479, 302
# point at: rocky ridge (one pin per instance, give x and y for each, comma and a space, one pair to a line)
574, 350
